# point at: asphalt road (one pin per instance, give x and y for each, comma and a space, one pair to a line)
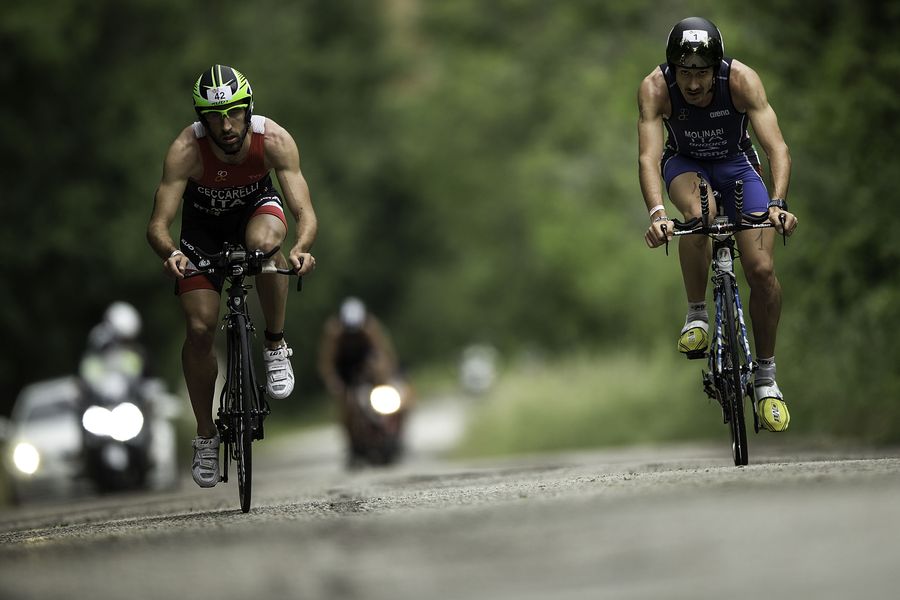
671, 522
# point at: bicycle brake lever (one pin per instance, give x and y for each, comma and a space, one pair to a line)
665, 231
782, 218
300, 278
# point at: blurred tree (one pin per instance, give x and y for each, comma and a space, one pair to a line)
473, 166
102, 88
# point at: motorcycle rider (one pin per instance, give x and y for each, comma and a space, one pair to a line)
113, 349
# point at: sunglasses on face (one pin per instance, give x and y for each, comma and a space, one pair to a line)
232, 113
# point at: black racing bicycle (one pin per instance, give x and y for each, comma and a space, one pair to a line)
242, 404
730, 362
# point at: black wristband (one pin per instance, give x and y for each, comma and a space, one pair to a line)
778, 203
274, 337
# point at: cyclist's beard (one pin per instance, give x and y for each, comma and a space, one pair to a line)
233, 147
701, 98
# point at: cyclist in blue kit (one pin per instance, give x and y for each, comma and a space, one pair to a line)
218, 171
705, 102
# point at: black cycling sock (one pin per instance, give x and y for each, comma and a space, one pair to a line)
274, 337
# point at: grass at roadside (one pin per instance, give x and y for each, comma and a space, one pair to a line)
591, 400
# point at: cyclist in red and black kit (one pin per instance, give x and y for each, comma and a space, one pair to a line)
219, 169
705, 102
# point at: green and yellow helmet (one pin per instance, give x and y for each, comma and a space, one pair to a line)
222, 87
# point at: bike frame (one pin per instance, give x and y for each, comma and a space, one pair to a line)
723, 275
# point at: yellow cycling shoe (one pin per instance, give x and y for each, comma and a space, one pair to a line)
694, 340
771, 408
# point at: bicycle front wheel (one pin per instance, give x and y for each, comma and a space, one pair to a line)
734, 391
242, 417
244, 455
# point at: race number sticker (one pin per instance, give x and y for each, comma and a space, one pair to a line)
219, 94
693, 36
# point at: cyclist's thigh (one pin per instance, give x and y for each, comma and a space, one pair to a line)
756, 247
682, 183
727, 172
205, 233
265, 226
191, 241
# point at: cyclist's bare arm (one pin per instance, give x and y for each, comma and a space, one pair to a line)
327, 356
386, 365
283, 156
181, 162
749, 96
653, 104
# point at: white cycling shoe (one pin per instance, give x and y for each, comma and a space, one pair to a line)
205, 466
279, 373
770, 406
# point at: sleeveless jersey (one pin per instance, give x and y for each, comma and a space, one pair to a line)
712, 132
224, 187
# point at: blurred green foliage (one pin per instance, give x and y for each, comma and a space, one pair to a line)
473, 166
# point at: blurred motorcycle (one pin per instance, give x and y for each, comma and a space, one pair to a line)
116, 438
127, 418
375, 413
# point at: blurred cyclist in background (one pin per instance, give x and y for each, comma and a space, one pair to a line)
355, 346
356, 353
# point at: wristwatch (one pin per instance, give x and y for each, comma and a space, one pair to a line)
778, 203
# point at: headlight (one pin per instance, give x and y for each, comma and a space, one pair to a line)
26, 458
122, 423
128, 420
97, 420
385, 399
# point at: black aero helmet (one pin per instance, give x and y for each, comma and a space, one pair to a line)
695, 37
221, 87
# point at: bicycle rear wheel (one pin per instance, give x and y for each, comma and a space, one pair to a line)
733, 398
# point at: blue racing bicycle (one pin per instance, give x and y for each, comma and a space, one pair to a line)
730, 363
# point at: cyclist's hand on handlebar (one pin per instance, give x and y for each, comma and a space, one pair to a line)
783, 221
302, 262
176, 265
659, 233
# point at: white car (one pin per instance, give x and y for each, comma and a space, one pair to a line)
43, 446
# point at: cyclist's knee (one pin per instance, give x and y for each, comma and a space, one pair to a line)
760, 273
201, 333
266, 241
265, 233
